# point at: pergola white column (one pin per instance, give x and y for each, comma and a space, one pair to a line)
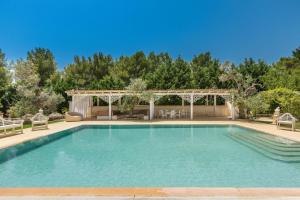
229, 101
151, 103
232, 108
192, 106
215, 104
109, 107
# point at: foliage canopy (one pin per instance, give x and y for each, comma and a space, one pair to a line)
39, 80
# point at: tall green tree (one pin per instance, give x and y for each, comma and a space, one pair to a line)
131, 67
169, 74
205, 72
161, 76
245, 87
4, 79
181, 73
7, 92
32, 97
256, 70
85, 73
44, 63
285, 73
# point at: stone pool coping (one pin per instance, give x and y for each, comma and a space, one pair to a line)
153, 192
148, 192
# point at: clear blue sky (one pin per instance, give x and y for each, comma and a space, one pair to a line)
229, 29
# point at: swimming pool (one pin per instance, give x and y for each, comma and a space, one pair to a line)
145, 156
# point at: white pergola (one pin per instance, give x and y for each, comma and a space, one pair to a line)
81, 99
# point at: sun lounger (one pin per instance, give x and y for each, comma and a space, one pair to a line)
73, 117
11, 124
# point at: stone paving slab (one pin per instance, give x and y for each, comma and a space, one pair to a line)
143, 198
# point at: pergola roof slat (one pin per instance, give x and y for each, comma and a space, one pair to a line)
155, 92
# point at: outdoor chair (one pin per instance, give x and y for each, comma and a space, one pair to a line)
287, 119
183, 114
172, 114
162, 114
178, 114
39, 121
11, 124
73, 117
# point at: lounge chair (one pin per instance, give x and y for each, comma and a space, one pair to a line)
73, 117
287, 119
11, 124
39, 121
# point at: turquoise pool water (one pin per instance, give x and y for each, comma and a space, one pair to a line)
143, 156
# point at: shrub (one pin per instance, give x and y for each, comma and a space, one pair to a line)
288, 100
55, 116
257, 104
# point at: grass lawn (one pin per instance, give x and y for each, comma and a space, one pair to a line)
298, 125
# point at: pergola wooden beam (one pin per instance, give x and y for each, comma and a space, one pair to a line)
155, 92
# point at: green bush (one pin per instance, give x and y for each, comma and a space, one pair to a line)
288, 100
256, 104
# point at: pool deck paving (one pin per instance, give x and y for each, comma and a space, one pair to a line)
147, 193
144, 198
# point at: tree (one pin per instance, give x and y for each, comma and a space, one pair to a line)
57, 84
44, 63
5, 84
288, 100
205, 72
4, 76
138, 66
181, 74
31, 96
170, 75
244, 86
257, 104
136, 93
284, 73
85, 73
256, 70
162, 76
110, 82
